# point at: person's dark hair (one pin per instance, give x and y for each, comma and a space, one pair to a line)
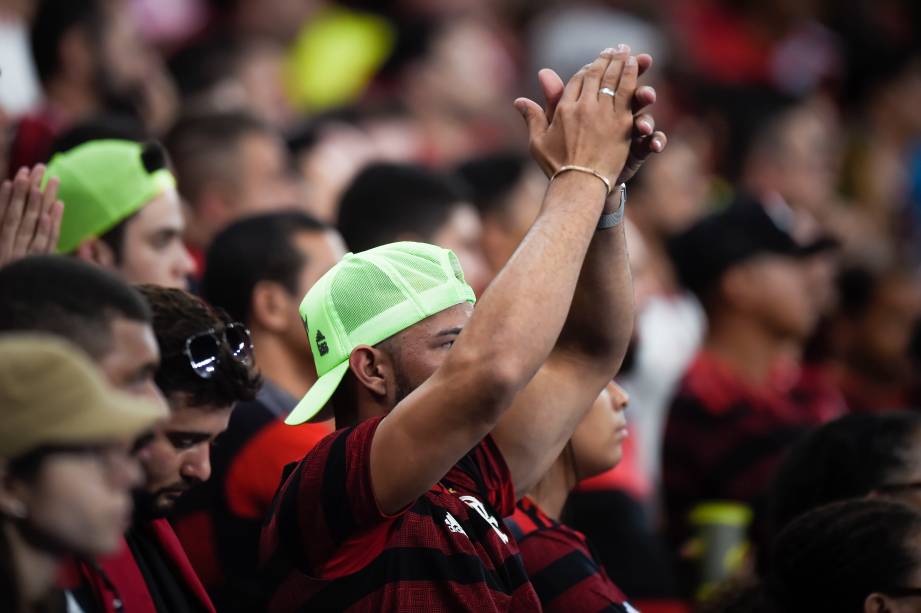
492, 178
204, 147
834, 557
255, 249
177, 315
847, 458
68, 298
52, 21
388, 200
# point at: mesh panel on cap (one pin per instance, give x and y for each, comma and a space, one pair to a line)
456, 267
420, 271
361, 291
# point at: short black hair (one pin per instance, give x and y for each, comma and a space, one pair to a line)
492, 177
204, 147
52, 21
846, 458
68, 298
106, 126
255, 249
177, 315
388, 199
833, 557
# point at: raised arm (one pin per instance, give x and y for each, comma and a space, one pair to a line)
597, 331
517, 322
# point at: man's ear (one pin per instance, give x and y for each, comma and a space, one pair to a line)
373, 370
11, 503
96, 251
270, 306
878, 603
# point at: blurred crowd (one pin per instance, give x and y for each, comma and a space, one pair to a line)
179, 174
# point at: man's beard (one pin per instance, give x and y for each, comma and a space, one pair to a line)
154, 505
403, 387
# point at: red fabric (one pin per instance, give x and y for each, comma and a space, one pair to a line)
725, 436
327, 545
130, 586
563, 570
34, 137
255, 472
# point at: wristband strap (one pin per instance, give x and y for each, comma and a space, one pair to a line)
612, 219
585, 169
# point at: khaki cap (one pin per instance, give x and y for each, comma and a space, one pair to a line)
51, 394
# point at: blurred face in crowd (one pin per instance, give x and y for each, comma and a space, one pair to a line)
877, 342
321, 251
152, 248
504, 229
597, 443
330, 165
804, 166
79, 498
462, 233
467, 72
673, 192
264, 181
773, 290
178, 456
132, 360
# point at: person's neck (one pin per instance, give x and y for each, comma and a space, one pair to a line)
71, 100
36, 570
292, 371
551, 492
751, 350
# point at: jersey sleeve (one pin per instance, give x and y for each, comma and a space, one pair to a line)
328, 498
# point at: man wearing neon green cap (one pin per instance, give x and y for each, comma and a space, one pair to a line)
447, 412
122, 211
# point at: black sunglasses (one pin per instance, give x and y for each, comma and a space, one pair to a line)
204, 349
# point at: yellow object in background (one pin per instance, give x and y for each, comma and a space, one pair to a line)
335, 56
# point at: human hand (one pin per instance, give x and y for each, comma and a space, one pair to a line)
646, 140
30, 218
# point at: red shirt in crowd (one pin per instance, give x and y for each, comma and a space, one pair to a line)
725, 436
327, 545
563, 570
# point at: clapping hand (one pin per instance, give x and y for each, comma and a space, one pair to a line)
30, 217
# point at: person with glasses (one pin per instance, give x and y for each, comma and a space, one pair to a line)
262, 288
66, 468
206, 368
857, 556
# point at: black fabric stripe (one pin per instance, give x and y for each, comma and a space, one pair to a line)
337, 508
754, 449
614, 608
415, 564
562, 574
287, 552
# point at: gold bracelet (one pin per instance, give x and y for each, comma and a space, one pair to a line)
591, 171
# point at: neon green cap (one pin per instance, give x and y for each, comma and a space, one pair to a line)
102, 183
367, 298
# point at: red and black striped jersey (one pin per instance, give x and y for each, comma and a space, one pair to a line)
328, 547
560, 563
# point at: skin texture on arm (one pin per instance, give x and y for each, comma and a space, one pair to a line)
518, 320
594, 338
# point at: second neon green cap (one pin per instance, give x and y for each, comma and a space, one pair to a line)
104, 182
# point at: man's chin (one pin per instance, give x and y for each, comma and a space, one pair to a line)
156, 505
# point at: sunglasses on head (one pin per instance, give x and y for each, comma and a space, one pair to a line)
204, 349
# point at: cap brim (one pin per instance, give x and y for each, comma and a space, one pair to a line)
120, 417
315, 399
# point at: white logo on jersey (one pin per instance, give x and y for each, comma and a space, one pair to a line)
477, 506
453, 524
629, 608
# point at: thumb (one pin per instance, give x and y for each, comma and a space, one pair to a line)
533, 115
